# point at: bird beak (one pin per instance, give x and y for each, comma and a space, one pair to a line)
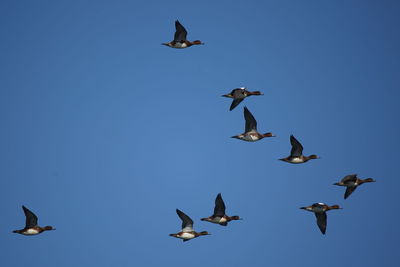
227, 95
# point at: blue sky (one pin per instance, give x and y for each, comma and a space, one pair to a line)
105, 132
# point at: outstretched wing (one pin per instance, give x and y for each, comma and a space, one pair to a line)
187, 223
235, 102
31, 218
349, 190
251, 123
321, 221
180, 33
297, 148
219, 209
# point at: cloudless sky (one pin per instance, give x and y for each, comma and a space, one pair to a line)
105, 132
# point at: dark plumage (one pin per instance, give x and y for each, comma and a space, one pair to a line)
251, 123
238, 95
187, 223
31, 224
296, 153
320, 210
251, 134
180, 33
187, 233
180, 40
297, 148
351, 182
31, 218
219, 216
219, 209
321, 221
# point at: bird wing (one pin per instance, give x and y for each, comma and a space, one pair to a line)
31, 218
297, 148
349, 190
235, 102
187, 223
219, 209
251, 123
321, 221
180, 33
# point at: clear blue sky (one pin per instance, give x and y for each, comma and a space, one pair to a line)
105, 132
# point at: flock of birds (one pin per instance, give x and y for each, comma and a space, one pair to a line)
351, 182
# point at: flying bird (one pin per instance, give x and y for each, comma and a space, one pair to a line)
351, 182
187, 232
180, 40
219, 216
31, 224
320, 210
239, 94
296, 154
251, 134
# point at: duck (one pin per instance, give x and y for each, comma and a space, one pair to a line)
351, 182
187, 232
320, 210
31, 224
251, 134
219, 216
296, 154
180, 38
239, 94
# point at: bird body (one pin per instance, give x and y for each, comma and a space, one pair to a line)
320, 210
296, 154
31, 224
219, 216
187, 232
238, 95
180, 40
351, 182
251, 134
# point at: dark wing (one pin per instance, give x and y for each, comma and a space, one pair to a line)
321, 221
235, 102
187, 223
297, 148
349, 190
31, 218
219, 209
350, 178
180, 33
251, 123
